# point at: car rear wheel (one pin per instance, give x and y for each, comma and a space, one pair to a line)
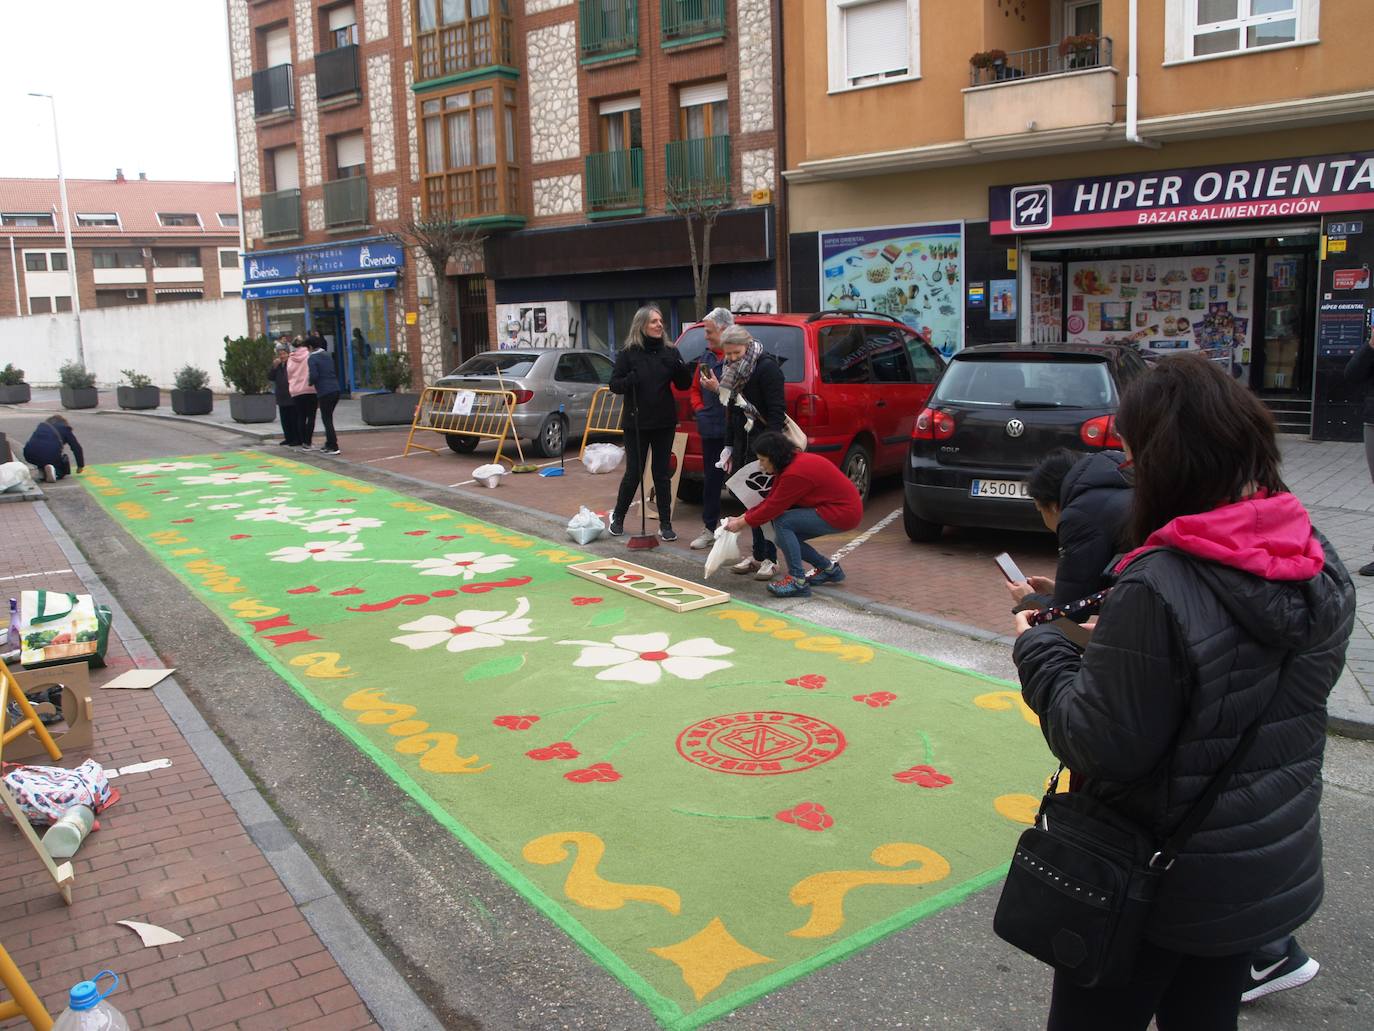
922, 531
553, 437
461, 445
858, 467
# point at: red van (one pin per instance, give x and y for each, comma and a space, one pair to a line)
855, 382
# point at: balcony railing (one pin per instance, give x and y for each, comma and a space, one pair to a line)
451, 49
273, 90
336, 72
698, 171
281, 213
615, 182
609, 28
1040, 61
345, 202
688, 19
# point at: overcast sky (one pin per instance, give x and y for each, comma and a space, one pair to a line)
141, 85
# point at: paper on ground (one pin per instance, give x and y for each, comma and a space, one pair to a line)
151, 933
136, 679
154, 764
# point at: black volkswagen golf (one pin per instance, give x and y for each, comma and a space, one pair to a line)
996, 411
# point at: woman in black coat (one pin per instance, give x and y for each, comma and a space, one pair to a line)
646, 370
286, 407
1230, 602
752, 390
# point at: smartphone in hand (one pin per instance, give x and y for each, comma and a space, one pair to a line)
1010, 569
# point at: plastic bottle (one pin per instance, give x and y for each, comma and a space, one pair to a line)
65, 836
87, 1009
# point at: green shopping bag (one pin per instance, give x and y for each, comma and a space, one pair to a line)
56, 626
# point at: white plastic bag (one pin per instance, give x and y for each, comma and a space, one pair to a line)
15, 476
603, 458
489, 475
726, 549
586, 526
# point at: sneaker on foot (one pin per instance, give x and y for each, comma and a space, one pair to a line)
1367, 570
666, 531
329, 451
789, 587
304, 447
745, 566
1271, 973
831, 575
49, 474
615, 525
766, 571
703, 541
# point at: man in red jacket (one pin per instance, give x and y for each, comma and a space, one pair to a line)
810, 497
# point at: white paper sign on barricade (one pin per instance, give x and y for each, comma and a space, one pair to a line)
462, 402
752, 485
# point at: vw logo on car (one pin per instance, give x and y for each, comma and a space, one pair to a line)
1015, 428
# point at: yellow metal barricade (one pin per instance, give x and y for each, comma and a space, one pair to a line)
485, 415
603, 416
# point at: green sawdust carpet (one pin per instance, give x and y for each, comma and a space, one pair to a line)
711, 803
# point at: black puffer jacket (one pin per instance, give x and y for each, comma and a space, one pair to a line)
1093, 504
765, 391
646, 376
1187, 654
1360, 370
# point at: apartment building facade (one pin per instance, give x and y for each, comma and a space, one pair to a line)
328, 164
623, 109
134, 241
1175, 174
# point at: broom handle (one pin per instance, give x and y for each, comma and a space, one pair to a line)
639, 449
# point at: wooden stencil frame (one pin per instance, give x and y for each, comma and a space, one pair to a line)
646, 582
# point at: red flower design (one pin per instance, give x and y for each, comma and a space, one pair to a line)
516, 722
557, 750
876, 700
157, 491
811, 681
179, 521
603, 773
809, 816
925, 776
345, 500
303, 590
240, 536
451, 537
587, 601
416, 533
345, 592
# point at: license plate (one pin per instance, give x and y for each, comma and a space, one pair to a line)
999, 489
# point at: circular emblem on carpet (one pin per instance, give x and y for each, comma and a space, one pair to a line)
760, 744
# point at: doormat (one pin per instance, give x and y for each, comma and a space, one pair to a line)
711, 803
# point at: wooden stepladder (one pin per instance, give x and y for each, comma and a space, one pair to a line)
61, 875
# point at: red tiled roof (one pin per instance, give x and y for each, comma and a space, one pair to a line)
136, 202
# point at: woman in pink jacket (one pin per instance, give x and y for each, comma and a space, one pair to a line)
302, 393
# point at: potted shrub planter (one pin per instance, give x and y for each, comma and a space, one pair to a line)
80, 397
15, 394
389, 409
137, 398
193, 402
252, 407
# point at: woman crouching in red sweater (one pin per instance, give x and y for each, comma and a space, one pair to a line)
810, 498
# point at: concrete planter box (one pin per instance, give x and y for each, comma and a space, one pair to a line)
193, 402
252, 407
137, 398
85, 397
388, 409
17, 394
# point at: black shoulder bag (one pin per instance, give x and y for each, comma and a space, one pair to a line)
1083, 879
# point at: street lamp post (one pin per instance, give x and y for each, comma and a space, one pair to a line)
66, 229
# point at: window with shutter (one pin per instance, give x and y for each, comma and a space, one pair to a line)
872, 42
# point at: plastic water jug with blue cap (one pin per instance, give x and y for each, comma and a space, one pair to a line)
87, 1009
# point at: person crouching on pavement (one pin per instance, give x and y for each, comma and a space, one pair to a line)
286, 408
710, 416
44, 449
1231, 612
810, 497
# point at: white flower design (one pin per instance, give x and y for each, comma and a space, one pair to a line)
468, 630
273, 514
227, 506
643, 658
344, 525
321, 513
281, 500
318, 551
466, 564
146, 468
229, 479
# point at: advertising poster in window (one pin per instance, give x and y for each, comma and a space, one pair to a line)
1203, 303
1047, 302
913, 273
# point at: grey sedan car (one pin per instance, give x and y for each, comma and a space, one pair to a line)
541, 380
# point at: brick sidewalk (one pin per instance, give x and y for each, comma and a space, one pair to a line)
171, 852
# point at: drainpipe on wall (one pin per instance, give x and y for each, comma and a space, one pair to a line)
14, 267
1133, 82
783, 249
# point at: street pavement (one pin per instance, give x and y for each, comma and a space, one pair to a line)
480, 957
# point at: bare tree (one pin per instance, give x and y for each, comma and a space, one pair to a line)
441, 236
699, 199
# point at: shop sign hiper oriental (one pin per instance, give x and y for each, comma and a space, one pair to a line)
1282, 188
